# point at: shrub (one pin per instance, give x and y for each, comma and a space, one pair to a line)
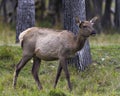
56, 93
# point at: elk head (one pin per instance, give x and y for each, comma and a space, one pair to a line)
86, 27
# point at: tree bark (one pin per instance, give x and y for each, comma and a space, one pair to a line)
89, 9
73, 8
97, 9
12, 17
3, 4
106, 19
40, 9
54, 11
25, 16
117, 14
97, 5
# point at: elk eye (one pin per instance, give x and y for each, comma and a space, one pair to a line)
84, 26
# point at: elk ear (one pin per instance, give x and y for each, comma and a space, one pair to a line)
77, 21
93, 20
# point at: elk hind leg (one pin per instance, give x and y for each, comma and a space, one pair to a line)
18, 68
35, 69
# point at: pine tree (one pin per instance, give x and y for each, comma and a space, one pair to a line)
25, 16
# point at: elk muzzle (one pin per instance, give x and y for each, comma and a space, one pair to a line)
93, 33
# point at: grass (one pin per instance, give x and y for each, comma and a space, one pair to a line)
101, 78
7, 34
105, 39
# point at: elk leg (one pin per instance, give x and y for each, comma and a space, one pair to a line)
19, 66
65, 68
35, 69
58, 75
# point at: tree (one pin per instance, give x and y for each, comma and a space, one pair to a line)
106, 20
94, 8
117, 14
54, 11
25, 16
73, 8
97, 6
8, 10
40, 9
3, 4
89, 9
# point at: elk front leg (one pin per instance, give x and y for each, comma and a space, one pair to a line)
58, 75
65, 68
35, 69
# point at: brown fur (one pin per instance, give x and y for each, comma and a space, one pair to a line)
48, 44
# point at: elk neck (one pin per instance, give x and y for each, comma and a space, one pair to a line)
80, 41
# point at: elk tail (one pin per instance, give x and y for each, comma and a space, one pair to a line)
21, 36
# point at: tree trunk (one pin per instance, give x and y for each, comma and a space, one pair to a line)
97, 8
54, 11
97, 5
117, 14
73, 8
3, 4
14, 4
89, 9
40, 9
106, 20
25, 16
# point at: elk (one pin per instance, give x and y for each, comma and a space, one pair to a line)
48, 44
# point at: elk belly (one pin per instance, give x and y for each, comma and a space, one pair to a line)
47, 56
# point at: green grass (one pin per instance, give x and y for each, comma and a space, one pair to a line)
7, 34
99, 79
105, 39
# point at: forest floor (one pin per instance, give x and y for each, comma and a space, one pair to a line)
101, 78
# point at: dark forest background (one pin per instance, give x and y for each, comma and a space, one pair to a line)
49, 13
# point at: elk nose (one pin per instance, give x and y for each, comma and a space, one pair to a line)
93, 33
